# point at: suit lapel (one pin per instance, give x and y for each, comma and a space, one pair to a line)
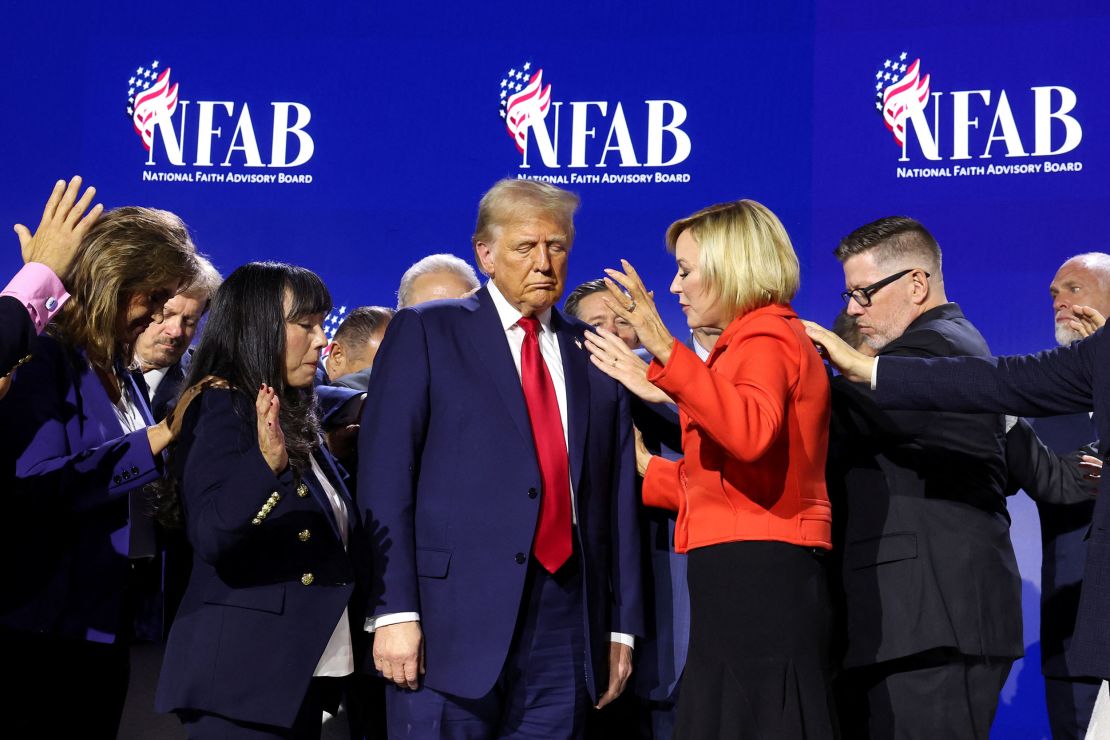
577, 379
488, 338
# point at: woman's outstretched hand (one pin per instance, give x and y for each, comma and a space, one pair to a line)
635, 305
611, 355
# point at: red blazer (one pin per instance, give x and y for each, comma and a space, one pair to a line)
755, 433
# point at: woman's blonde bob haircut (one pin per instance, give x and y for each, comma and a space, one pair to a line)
745, 256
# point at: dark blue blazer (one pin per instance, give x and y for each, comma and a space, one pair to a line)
263, 599
660, 658
17, 332
1064, 530
1064, 380
68, 470
449, 488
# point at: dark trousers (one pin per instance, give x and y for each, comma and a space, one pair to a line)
62, 687
323, 693
1070, 703
936, 694
541, 692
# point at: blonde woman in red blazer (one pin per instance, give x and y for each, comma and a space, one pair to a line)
753, 512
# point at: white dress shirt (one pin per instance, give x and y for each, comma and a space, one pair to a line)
154, 378
141, 539
338, 657
549, 349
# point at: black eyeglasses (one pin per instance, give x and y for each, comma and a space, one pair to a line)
863, 295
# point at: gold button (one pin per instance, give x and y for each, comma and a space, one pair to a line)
303, 535
302, 490
307, 579
256, 521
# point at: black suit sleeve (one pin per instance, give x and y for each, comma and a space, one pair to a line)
859, 415
1044, 475
18, 331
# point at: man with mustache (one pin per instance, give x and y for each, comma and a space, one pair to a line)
161, 349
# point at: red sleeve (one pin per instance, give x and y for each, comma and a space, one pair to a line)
740, 402
662, 483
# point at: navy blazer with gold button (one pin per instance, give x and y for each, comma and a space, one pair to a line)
270, 576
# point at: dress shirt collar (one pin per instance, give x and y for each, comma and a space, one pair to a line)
508, 313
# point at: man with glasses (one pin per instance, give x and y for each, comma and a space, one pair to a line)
928, 583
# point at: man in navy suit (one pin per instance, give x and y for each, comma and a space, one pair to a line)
1083, 280
505, 583
161, 350
648, 711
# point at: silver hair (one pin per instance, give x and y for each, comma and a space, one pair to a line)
206, 284
435, 263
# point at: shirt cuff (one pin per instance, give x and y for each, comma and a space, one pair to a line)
384, 620
40, 291
875, 373
623, 639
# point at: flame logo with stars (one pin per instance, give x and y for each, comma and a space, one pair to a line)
900, 91
151, 99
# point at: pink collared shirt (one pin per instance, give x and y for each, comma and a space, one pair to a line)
39, 289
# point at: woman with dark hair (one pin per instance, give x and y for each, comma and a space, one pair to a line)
79, 443
264, 633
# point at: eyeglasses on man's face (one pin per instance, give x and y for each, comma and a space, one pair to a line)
862, 296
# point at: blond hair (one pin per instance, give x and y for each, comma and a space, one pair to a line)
128, 251
502, 203
745, 255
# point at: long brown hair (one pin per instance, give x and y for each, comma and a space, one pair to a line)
130, 250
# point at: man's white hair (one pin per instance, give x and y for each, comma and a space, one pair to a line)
435, 263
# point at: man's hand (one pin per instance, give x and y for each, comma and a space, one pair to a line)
1091, 467
853, 365
620, 668
343, 441
62, 227
399, 653
1087, 320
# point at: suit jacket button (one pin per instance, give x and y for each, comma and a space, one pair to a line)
117, 480
126, 474
532, 493
134, 470
303, 535
521, 558
307, 579
302, 490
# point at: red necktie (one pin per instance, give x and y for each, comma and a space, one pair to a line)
552, 544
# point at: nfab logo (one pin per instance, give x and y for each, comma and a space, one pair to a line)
599, 134
185, 137
953, 126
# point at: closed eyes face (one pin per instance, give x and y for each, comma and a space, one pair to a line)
527, 261
304, 340
697, 300
593, 311
141, 309
164, 342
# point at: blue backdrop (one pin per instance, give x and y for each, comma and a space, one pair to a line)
354, 138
